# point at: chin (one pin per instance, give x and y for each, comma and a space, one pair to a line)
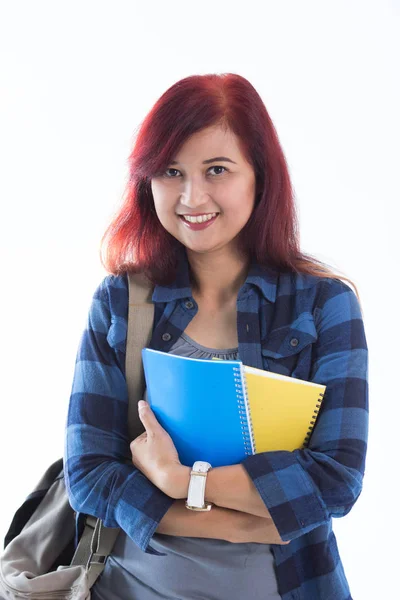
198, 249
208, 249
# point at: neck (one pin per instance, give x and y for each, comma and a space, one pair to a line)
217, 277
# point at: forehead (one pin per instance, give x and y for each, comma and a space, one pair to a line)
209, 142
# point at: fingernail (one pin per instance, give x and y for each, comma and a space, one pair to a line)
142, 404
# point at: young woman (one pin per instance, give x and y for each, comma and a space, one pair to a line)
209, 217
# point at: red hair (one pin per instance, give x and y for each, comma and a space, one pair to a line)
136, 241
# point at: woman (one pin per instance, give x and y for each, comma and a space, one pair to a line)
209, 217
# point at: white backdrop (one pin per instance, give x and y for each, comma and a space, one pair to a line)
77, 78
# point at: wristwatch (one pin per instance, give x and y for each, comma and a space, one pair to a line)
197, 486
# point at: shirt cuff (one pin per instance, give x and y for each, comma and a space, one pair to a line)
140, 509
288, 493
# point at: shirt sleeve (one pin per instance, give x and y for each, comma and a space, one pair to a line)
305, 488
99, 475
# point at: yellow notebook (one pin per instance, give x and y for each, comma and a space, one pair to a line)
283, 410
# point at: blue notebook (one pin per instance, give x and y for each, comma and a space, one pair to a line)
221, 411
208, 426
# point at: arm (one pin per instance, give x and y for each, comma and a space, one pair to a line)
303, 489
229, 487
220, 523
232, 487
98, 479
154, 454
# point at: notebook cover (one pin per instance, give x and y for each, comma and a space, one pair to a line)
195, 400
282, 409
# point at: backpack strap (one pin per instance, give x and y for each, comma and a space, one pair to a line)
97, 541
140, 325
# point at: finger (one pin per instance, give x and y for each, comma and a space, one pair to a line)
148, 418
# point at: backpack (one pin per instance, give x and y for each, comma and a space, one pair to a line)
50, 551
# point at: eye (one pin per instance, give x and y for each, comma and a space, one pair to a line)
171, 176
218, 167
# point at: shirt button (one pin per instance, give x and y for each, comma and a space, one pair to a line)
294, 342
189, 304
166, 337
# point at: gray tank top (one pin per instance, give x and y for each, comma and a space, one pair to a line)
192, 568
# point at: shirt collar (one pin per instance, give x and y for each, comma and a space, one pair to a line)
263, 277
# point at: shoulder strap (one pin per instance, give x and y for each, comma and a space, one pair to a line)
140, 322
97, 541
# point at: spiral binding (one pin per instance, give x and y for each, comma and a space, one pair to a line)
312, 422
244, 415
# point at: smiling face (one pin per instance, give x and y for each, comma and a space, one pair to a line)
209, 176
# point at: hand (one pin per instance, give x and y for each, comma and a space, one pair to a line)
155, 455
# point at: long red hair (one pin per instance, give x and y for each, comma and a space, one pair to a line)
136, 241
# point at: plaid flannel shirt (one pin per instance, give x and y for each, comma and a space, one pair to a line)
304, 489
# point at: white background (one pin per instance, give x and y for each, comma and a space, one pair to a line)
77, 78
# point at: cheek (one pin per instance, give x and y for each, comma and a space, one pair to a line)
161, 212
242, 202
162, 203
165, 211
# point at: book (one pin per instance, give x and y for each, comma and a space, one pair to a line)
221, 411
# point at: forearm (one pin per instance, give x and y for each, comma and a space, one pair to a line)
231, 487
227, 487
219, 523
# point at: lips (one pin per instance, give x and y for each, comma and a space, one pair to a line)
214, 212
198, 226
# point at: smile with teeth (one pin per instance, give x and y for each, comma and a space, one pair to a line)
199, 218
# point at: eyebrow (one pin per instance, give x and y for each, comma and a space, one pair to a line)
210, 160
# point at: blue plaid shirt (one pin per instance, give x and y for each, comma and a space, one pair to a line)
298, 325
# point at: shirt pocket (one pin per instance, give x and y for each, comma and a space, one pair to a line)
288, 350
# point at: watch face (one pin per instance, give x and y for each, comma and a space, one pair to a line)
201, 465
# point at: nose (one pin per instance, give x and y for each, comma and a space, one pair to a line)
194, 194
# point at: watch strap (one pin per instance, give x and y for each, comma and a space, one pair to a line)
197, 486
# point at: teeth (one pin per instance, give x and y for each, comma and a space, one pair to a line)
200, 218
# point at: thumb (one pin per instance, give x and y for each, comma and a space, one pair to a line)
148, 418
